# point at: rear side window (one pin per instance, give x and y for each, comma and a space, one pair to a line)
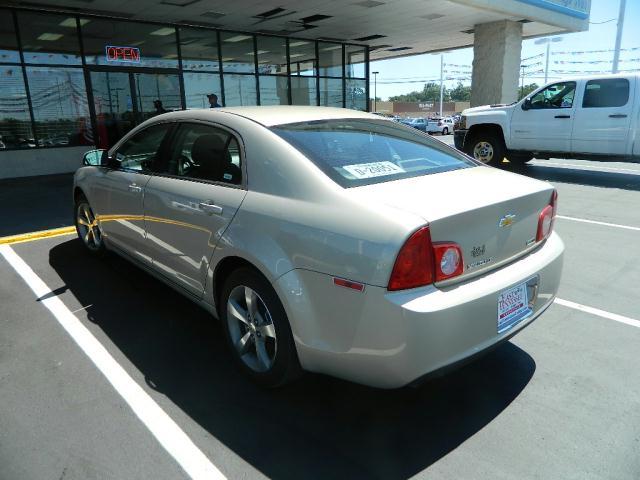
606, 92
355, 152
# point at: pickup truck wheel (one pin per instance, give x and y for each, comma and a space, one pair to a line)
486, 147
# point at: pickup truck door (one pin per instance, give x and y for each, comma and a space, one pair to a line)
603, 118
544, 122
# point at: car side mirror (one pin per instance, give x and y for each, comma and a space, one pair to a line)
94, 158
526, 105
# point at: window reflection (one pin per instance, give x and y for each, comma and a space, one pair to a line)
49, 39
330, 59
272, 55
237, 53
303, 91
199, 49
15, 122
354, 59
331, 92
8, 41
199, 86
156, 93
302, 55
240, 90
356, 94
274, 90
156, 44
60, 108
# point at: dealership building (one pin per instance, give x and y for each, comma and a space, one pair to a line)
75, 74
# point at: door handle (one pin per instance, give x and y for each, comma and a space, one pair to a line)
618, 115
563, 116
135, 188
210, 207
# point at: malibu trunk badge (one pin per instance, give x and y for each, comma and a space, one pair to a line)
507, 220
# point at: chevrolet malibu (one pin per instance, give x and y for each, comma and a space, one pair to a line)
326, 240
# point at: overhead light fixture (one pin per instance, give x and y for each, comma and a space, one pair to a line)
163, 32
71, 22
237, 38
369, 37
328, 49
314, 18
296, 55
297, 44
50, 37
260, 52
228, 59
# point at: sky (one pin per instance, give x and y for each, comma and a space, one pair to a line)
395, 75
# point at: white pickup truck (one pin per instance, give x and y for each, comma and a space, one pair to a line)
595, 118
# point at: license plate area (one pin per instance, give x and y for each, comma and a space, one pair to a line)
516, 303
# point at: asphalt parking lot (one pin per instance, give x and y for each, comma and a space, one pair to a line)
107, 373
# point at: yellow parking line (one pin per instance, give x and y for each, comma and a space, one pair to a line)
31, 236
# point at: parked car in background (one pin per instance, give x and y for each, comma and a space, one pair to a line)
443, 126
594, 117
325, 239
418, 124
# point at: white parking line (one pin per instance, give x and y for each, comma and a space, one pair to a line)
598, 312
584, 220
542, 163
166, 431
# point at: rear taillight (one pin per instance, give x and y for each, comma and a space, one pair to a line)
547, 218
421, 262
448, 260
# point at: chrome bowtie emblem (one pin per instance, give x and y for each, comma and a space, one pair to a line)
507, 220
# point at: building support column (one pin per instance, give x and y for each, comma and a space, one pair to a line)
496, 62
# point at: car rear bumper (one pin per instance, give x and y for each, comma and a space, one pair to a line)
458, 138
391, 339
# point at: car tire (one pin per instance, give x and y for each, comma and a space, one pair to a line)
485, 146
445, 131
88, 228
258, 335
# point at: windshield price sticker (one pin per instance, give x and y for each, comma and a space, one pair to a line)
371, 170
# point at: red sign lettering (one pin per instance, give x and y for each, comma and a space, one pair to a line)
123, 54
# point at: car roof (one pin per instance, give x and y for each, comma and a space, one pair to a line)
277, 114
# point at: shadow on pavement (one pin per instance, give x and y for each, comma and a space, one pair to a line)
592, 178
35, 203
317, 428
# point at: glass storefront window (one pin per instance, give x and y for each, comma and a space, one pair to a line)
331, 92
330, 59
303, 91
49, 39
128, 44
274, 90
356, 94
237, 53
60, 109
152, 88
198, 87
15, 122
199, 49
302, 56
8, 41
239, 90
354, 58
272, 55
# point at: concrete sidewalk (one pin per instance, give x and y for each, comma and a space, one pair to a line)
35, 203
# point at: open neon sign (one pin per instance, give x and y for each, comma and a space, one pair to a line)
123, 54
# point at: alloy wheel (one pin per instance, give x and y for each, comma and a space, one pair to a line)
483, 151
88, 227
251, 328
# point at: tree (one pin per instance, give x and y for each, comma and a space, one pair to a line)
527, 89
461, 93
430, 93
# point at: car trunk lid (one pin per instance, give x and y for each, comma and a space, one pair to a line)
491, 214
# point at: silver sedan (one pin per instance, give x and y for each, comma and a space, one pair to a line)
326, 240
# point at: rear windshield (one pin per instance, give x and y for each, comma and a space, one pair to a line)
355, 152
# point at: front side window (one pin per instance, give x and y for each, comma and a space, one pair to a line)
606, 92
203, 152
140, 152
355, 152
558, 95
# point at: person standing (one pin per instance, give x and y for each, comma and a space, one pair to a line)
213, 101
